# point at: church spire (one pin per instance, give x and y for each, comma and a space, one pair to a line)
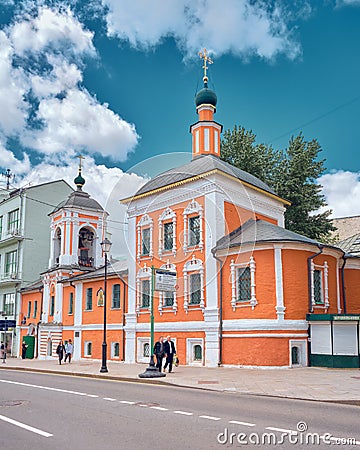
79, 180
205, 132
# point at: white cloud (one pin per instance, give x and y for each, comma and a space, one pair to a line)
342, 192
240, 27
79, 122
10, 161
13, 86
50, 47
51, 29
340, 3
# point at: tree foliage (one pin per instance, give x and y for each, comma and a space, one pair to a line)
292, 173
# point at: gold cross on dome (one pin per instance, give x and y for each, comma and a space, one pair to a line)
81, 157
204, 55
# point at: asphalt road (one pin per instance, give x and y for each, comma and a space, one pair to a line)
39, 411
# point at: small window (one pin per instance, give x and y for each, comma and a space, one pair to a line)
88, 299
116, 296
52, 305
318, 290
295, 355
13, 221
29, 310
168, 235
87, 348
145, 240
194, 230
197, 352
71, 303
168, 298
146, 350
35, 308
244, 285
116, 349
195, 289
145, 294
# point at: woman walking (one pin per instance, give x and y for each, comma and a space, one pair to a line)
60, 350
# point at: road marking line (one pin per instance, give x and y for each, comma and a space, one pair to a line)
185, 413
246, 424
26, 427
282, 430
159, 408
127, 402
43, 387
109, 399
209, 417
92, 395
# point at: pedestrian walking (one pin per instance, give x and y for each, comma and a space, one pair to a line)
159, 352
169, 348
24, 347
69, 348
3, 352
60, 351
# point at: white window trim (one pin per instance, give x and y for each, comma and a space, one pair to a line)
86, 355
324, 270
234, 284
143, 274
190, 344
194, 265
167, 215
192, 208
141, 341
144, 222
161, 307
113, 350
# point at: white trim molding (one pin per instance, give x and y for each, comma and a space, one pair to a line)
194, 265
193, 208
324, 292
168, 215
161, 307
144, 222
143, 274
235, 288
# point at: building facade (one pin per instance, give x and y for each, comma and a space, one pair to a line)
248, 292
24, 247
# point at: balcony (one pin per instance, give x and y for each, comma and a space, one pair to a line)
8, 278
86, 262
10, 236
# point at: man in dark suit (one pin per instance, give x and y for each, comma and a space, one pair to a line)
159, 352
169, 348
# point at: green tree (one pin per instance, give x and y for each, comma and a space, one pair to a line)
291, 173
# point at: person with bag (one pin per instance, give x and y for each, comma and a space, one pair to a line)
60, 351
159, 352
24, 347
169, 348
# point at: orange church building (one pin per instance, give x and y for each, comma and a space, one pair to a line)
248, 292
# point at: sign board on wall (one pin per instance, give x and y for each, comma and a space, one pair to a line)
165, 280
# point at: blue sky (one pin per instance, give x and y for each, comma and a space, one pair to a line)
115, 80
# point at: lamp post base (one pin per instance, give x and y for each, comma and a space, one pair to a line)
103, 363
152, 371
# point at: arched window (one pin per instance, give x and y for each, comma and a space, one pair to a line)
167, 232
197, 352
243, 284
194, 288
85, 247
57, 245
193, 226
146, 350
319, 285
145, 237
143, 289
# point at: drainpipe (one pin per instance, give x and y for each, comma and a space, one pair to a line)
310, 258
123, 317
220, 308
39, 322
343, 290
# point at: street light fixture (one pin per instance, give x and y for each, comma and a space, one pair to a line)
106, 246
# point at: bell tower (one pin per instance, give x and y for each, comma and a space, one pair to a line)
206, 132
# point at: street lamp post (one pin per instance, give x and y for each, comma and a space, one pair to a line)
105, 245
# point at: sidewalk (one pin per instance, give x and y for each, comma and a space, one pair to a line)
311, 383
